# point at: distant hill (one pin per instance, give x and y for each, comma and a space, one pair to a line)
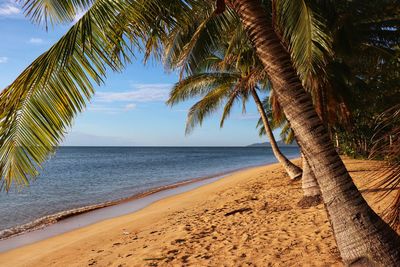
280, 144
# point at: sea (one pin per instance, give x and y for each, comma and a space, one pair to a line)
77, 177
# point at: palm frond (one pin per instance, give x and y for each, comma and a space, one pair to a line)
54, 11
278, 117
38, 107
234, 96
198, 85
306, 36
206, 106
184, 50
162, 18
387, 146
287, 134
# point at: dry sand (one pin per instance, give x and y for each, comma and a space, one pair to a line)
249, 218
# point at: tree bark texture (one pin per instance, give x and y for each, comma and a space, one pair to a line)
361, 235
309, 182
292, 170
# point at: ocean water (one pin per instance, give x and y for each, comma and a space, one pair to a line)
81, 176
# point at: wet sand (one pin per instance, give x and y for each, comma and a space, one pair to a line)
248, 218
66, 221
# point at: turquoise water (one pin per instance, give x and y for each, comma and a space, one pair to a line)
81, 176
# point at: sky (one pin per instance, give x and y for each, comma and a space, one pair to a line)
129, 109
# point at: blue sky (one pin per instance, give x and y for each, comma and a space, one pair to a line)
130, 108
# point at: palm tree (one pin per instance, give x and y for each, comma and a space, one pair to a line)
40, 104
309, 184
187, 48
366, 49
362, 236
293, 171
230, 82
330, 171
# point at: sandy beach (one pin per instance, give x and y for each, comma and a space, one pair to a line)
248, 218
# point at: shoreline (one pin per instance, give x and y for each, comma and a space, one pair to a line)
16, 236
250, 217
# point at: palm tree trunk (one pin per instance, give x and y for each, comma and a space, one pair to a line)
309, 181
363, 238
311, 191
292, 170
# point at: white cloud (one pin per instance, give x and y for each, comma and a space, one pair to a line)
130, 106
111, 110
9, 9
3, 60
36, 41
107, 102
104, 109
142, 93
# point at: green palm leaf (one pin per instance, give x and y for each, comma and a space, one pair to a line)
306, 36
38, 107
199, 85
233, 97
53, 11
206, 106
213, 87
188, 47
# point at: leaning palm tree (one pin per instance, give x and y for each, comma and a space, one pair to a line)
40, 104
234, 56
309, 184
293, 171
351, 217
185, 49
226, 82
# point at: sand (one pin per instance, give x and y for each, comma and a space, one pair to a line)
249, 218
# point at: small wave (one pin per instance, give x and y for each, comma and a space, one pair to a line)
56, 217
49, 219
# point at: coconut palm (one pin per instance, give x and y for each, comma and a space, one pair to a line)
231, 83
351, 217
364, 47
232, 56
309, 184
187, 49
40, 104
293, 171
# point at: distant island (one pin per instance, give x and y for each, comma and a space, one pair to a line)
280, 144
